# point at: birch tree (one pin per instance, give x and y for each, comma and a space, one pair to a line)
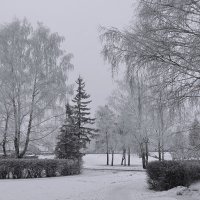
164, 41
131, 108
33, 75
163, 44
105, 124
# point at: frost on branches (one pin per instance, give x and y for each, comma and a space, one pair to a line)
82, 114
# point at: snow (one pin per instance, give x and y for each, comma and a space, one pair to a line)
98, 161
46, 156
193, 192
98, 184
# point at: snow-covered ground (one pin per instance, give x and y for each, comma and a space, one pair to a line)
98, 161
92, 185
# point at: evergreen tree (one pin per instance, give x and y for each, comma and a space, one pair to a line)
68, 141
82, 114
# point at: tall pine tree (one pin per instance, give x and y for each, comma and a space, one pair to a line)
82, 114
68, 146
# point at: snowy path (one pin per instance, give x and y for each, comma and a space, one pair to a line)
101, 183
91, 185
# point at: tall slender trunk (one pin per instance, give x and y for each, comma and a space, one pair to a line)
140, 112
129, 156
147, 153
162, 127
30, 121
107, 160
4, 148
162, 148
143, 156
124, 157
107, 149
123, 162
159, 152
27, 135
143, 160
112, 160
163, 155
5, 136
17, 132
159, 148
15, 113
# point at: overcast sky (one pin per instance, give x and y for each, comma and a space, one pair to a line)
78, 22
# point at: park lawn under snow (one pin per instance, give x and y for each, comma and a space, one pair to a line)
98, 161
92, 185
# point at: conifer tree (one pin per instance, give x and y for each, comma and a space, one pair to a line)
68, 141
82, 114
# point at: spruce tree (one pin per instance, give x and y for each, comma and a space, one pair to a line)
82, 114
68, 140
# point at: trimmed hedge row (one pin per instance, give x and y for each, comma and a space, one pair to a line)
168, 174
36, 168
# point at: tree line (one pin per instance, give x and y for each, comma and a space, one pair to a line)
34, 70
160, 56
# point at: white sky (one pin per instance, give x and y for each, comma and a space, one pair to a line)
78, 22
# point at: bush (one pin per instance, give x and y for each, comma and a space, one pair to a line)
193, 170
36, 168
69, 169
168, 174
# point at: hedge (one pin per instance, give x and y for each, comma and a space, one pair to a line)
168, 174
36, 168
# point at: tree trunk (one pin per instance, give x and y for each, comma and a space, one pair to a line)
123, 157
129, 156
112, 160
159, 148
162, 127
162, 149
107, 149
17, 131
5, 136
4, 148
143, 160
27, 135
30, 120
163, 155
146, 152
143, 156
140, 112
107, 162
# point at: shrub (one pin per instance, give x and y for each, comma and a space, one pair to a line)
36, 168
168, 174
51, 167
193, 170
